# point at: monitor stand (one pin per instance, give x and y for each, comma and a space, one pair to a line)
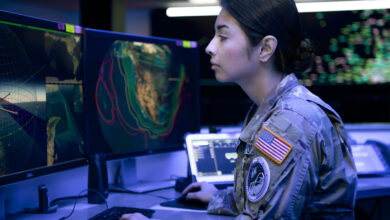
44, 206
126, 179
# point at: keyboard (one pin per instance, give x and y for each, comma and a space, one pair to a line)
116, 212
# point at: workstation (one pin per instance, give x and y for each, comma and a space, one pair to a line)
367, 189
98, 106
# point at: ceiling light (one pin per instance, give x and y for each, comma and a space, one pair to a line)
198, 2
302, 7
342, 5
193, 11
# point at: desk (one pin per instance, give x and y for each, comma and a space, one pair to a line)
373, 187
152, 200
368, 188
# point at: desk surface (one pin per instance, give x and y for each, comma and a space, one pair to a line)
373, 187
368, 188
149, 200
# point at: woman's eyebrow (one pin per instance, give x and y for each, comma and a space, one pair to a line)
221, 26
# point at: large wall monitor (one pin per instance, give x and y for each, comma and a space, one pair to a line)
41, 97
352, 47
142, 93
351, 71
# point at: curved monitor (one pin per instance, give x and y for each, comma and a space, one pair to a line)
41, 97
142, 93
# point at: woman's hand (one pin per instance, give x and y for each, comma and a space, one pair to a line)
202, 191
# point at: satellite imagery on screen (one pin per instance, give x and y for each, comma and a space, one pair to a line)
141, 93
41, 104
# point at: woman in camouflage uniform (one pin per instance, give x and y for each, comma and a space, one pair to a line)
294, 160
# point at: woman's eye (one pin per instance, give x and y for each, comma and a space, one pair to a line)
222, 38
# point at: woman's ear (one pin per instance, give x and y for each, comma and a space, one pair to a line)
267, 48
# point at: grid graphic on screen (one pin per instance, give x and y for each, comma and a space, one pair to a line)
41, 104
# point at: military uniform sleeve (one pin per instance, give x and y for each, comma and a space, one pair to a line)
336, 188
223, 203
322, 183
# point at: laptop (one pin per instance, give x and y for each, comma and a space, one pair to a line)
212, 157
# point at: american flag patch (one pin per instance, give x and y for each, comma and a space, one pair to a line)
272, 145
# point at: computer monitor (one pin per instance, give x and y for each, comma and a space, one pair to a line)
352, 47
351, 70
142, 93
41, 97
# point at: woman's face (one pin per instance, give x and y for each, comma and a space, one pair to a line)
232, 57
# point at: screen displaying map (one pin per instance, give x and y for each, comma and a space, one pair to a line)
41, 94
141, 93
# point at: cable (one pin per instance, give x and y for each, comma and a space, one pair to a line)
65, 198
81, 196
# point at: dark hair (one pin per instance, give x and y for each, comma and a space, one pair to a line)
279, 18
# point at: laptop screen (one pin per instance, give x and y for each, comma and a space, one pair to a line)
212, 156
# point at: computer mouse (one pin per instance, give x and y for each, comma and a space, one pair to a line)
191, 202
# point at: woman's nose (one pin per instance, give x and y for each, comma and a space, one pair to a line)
210, 48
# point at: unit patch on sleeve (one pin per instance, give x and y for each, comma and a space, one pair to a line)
257, 180
272, 145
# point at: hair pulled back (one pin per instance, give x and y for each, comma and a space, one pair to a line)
279, 18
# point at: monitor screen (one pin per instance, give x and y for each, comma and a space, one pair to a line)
351, 69
369, 160
352, 47
41, 97
215, 157
212, 156
141, 93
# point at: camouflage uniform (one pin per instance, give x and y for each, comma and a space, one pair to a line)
317, 177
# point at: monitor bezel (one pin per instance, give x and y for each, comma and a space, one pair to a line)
41, 171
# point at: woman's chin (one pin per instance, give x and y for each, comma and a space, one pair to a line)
221, 77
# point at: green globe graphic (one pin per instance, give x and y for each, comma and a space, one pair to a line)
138, 91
